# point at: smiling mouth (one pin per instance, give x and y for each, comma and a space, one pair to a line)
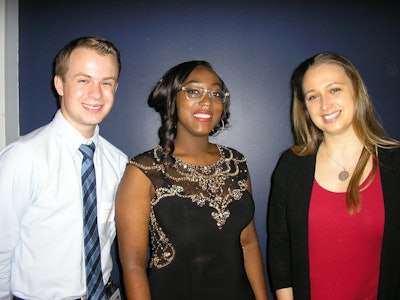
203, 116
331, 116
91, 107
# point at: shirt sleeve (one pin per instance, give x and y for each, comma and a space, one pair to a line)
16, 190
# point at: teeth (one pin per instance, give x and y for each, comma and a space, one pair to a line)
203, 116
332, 116
91, 106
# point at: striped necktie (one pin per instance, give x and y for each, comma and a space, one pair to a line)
94, 277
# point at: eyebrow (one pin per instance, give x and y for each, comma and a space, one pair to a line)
88, 76
198, 82
327, 86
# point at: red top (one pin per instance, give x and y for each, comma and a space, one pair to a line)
344, 249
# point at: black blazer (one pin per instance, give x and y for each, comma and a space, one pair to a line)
287, 247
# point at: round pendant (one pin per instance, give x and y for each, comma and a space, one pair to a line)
343, 175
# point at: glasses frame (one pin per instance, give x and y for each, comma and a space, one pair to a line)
185, 89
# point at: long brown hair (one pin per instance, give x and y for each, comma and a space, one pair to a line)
368, 129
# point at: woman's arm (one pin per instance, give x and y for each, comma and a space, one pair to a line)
279, 243
253, 262
285, 294
132, 218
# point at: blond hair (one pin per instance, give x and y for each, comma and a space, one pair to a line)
368, 129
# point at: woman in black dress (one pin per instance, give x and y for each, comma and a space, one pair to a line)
189, 200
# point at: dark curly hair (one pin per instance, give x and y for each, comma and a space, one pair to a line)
163, 99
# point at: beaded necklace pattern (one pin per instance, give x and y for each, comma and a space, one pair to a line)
215, 185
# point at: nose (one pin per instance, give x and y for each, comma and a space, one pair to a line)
95, 91
206, 101
325, 101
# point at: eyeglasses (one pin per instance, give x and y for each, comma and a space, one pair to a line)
198, 93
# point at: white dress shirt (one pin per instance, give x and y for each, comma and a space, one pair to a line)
41, 216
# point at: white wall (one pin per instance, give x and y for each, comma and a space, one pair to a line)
2, 71
9, 100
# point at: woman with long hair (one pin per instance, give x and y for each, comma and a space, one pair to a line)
334, 207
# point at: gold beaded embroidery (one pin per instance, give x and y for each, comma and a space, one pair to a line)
214, 185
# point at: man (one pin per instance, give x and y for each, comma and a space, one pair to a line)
45, 191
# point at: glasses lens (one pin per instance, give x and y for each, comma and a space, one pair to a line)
193, 93
197, 93
217, 96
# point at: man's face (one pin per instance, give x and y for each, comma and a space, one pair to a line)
88, 89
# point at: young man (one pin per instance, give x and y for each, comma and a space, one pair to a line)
44, 186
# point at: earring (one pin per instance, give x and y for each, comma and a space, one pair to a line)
223, 125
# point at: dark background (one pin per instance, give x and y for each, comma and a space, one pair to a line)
253, 45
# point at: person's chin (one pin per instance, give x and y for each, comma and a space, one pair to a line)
93, 121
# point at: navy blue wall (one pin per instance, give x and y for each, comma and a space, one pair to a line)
253, 45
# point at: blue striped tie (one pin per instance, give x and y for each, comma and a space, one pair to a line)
94, 277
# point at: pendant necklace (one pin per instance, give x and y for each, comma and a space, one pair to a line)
343, 175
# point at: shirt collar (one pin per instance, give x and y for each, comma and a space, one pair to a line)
72, 137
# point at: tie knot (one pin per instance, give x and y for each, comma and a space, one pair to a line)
87, 150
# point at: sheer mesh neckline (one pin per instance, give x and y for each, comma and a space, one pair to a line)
203, 169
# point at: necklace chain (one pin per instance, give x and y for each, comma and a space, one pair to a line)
343, 175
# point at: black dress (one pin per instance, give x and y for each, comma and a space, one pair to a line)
196, 218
